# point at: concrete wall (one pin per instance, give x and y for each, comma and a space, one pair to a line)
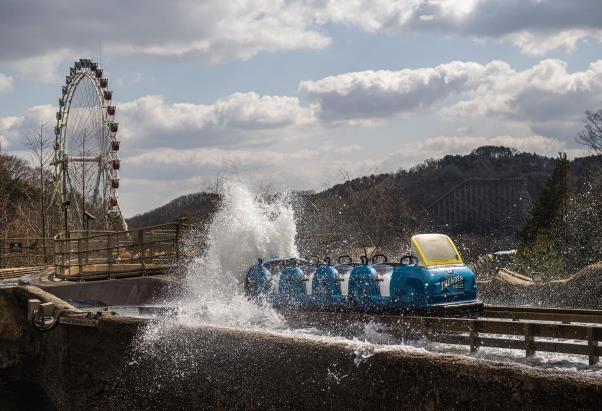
123, 291
204, 367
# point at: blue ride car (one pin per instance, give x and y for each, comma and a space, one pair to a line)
431, 278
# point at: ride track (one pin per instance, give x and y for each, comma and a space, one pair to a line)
566, 331
532, 329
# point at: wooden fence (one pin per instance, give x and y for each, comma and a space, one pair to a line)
25, 252
528, 329
96, 255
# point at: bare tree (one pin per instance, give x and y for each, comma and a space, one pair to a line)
41, 150
591, 136
214, 187
13, 190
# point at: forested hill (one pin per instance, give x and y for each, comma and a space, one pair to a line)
424, 183
197, 208
406, 192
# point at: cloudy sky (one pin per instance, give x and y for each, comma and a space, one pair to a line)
302, 94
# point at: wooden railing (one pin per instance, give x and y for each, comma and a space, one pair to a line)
85, 255
25, 252
528, 329
529, 336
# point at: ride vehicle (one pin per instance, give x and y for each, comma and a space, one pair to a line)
432, 278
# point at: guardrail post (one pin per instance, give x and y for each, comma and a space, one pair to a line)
44, 246
56, 255
109, 254
474, 336
529, 340
80, 260
67, 255
592, 346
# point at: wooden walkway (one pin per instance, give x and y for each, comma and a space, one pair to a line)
9, 273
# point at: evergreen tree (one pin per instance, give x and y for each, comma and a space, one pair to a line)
550, 209
544, 236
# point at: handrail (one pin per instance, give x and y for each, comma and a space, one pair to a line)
93, 255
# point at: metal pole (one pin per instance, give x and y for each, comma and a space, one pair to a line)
65, 201
66, 217
66, 242
42, 186
87, 235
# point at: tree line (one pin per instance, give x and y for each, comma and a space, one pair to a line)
27, 191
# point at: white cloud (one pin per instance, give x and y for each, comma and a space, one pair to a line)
297, 168
545, 97
42, 68
540, 44
213, 30
178, 171
216, 31
6, 83
239, 119
14, 129
191, 160
374, 94
536, 27
537, 109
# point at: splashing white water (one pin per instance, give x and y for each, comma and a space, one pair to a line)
245, 228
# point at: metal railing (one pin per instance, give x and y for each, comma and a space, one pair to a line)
25, 251
87, 255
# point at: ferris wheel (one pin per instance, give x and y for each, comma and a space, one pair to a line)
86, 150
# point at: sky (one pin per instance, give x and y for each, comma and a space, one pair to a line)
304, 94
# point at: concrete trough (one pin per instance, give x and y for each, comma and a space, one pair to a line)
105, 364
121, 291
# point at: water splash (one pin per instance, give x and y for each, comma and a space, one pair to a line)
246, 227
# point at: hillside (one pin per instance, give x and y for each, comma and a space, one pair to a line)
383, 209
422, 184
197, 208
